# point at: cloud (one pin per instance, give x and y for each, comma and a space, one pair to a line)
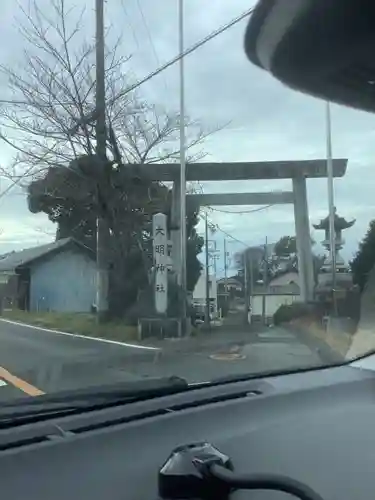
267, 120
18, 227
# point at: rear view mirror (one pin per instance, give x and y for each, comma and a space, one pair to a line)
319, 47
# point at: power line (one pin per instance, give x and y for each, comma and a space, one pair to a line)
156, 72
230, 235
242, 211
216, 226
130, 24
233, 237
191, 49
227, 234
145, 23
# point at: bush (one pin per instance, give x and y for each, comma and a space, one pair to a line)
287, 313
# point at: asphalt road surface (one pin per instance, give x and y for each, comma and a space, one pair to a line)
35, 361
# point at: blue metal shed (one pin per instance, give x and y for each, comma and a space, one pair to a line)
60, 276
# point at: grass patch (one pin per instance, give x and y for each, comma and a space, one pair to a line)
81, 323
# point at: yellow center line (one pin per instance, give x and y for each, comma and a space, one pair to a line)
21, 384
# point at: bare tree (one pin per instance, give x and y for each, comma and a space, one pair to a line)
51, 110
50, 119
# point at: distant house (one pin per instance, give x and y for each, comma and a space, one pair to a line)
287, 280
282, 289
59, 276
229, 284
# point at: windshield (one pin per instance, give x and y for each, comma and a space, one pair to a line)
170, 215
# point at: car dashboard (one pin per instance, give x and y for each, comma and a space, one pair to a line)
315, 426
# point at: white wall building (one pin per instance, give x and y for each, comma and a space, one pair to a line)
199, 294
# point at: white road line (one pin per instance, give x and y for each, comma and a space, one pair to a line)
2, 382
87, 337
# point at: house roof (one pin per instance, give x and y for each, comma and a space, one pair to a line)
13, 260
231, 280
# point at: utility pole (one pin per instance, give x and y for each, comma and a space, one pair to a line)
250, 263
182, 172
246, 286
251, 276
207, 315
225, 267
214, 258
101, 140
265, 279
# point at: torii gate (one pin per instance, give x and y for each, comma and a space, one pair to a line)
298, 171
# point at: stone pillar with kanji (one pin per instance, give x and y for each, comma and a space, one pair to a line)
161, 260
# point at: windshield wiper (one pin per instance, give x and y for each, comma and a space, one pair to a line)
65, 403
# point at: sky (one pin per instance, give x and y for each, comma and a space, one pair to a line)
260, 119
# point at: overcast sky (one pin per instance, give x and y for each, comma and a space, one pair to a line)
267, 120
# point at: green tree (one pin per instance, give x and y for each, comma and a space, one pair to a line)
364, 259
287, 245
194, 245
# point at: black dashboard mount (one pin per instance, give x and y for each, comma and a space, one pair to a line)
200, 471
185, 474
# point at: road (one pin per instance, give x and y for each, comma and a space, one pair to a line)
34, 361
46, 362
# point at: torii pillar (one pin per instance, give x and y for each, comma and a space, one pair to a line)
303, 239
